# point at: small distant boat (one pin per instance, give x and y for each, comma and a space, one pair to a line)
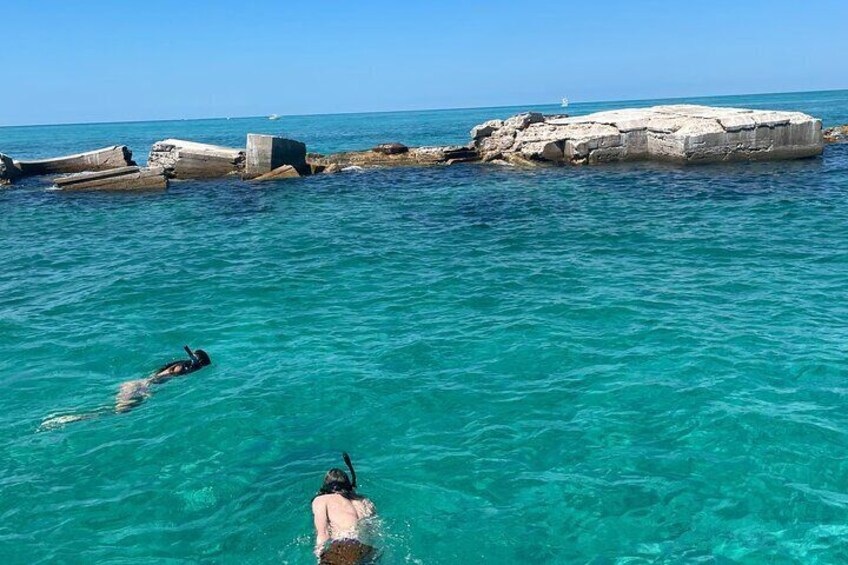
273, 117
565, 102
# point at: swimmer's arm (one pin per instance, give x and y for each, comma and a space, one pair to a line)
171, 369
322, 534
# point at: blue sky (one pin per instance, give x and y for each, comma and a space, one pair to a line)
113, 61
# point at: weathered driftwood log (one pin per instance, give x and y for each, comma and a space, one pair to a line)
97, 160
119, 179
8, 170
413, 156
284, 172
680, 133
190, 160
837, 134
267, 152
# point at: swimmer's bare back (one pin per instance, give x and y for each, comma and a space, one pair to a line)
133, 393
337, 517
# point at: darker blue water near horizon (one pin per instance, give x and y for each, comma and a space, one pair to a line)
633, 363
348, 132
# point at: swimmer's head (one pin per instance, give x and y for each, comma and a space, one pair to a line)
202, 358
336, 481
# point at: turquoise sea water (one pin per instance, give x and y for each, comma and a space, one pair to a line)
622, 364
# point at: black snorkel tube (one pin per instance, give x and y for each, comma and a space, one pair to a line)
191, 355
333, 484
346, 458
197, 359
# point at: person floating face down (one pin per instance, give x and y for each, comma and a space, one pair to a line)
133, 393
338, 512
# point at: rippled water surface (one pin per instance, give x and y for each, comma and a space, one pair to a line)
621, 364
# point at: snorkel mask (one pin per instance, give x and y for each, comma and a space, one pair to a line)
197, 358
337, 482
346, 458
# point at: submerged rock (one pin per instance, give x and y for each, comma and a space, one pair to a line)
679, 133
284, 172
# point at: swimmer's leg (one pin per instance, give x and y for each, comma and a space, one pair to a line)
58, 422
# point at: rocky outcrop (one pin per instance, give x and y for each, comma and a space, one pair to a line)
8, 170
391, 148
119, 179
412, 157
98, 160
679, 133
838, 134
183, 159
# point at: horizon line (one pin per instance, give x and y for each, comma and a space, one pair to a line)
456, 108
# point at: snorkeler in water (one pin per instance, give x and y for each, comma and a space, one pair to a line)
133, 393
339, 512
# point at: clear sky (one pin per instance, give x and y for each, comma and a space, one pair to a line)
98, 60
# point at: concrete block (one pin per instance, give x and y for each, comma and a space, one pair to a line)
119, 179
97, 160
284, 172
267, 152
183, 159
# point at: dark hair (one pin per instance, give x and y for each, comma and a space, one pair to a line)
198, 360
336, 481
202, 357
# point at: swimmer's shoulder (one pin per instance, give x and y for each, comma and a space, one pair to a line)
335, 500
364, 506
320, 503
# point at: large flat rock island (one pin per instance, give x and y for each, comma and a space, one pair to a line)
679, 133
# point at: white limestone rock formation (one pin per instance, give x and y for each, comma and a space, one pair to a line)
680, 133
